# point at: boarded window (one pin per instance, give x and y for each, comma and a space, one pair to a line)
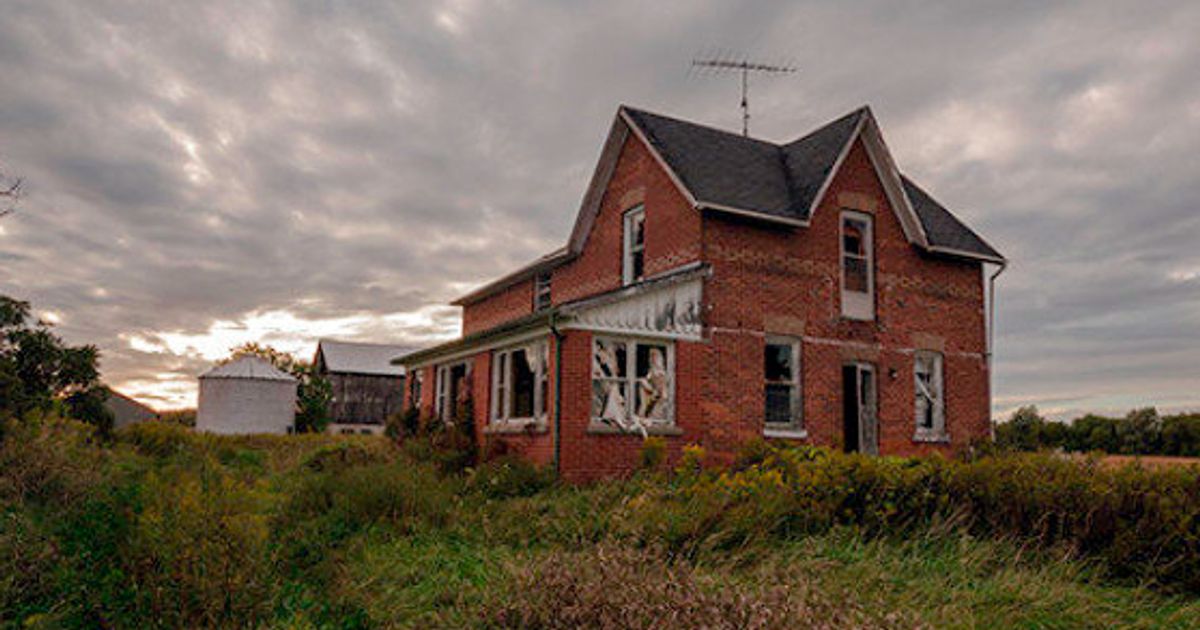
930, 395
632, 382
633, 268
781, 389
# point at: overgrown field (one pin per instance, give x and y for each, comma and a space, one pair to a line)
164, 528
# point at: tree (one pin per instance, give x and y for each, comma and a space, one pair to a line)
10, 194
1140, 433
314, 393
39, 371
1023, 431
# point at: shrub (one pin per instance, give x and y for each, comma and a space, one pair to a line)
159, 439
509, 476
654, 451
1142, 523
348, 454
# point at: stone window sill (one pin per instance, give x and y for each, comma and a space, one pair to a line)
599, 428
788, 433
516, 427
932, 438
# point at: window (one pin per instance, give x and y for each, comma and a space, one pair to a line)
632, 382
781, 372
541, 291
452, 390
633, 268
414, 388
858, 269
519, 384
930, 396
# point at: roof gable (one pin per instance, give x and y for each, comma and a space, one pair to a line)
360, 358
726, 172
248, 367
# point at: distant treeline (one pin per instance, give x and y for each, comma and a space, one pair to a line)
1140, 432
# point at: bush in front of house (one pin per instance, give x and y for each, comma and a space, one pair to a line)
509, 476
1142, 523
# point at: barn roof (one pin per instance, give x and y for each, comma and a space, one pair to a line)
250, 368
361, 358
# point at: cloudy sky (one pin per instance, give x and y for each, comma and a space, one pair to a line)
205, 173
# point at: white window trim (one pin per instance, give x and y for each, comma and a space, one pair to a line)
541, 289
630, 384
794, 427
442, 391
501, 392
628, 248
857, 305
938, 432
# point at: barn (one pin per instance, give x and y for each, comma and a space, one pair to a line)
246, 395
367, 387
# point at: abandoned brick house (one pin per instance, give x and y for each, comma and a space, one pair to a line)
717, 289
367, 387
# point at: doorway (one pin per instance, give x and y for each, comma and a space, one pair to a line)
858, 409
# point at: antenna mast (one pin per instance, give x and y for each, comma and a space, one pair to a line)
724, 62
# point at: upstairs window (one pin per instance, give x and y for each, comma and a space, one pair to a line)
541, 291
858, 266
930, 396
633, 268
519, 385
781, 372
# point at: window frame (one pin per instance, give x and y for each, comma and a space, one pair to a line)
635, 216
856, 304
442, 410
501, 393
541, 291
415, 385
630, 380
937, 432
794, 427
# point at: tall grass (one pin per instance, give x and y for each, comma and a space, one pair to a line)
167, 528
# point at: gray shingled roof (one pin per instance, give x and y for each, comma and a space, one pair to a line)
724, 168
361, 358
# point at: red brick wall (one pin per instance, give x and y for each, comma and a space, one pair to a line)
672, 239
788, 282
498, 308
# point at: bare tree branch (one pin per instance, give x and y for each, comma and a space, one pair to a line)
10, 194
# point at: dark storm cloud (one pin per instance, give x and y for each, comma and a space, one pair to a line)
198, 170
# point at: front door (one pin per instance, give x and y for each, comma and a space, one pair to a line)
858, 409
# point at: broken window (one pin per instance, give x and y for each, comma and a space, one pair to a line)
541, 291
858, 282
631, 382
930, 395
452, 390
781, 372
414, 388
519, 384
633, 267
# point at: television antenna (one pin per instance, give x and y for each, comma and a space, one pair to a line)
725, 62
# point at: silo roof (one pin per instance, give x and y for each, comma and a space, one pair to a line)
249, 367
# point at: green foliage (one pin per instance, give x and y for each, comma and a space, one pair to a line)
403, 424
509, 476
1140, 432
37, 369
654, 452
163, 527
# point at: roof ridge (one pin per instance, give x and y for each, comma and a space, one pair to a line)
862, 109
692, 123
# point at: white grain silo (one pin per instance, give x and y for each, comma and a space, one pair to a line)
246, 395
